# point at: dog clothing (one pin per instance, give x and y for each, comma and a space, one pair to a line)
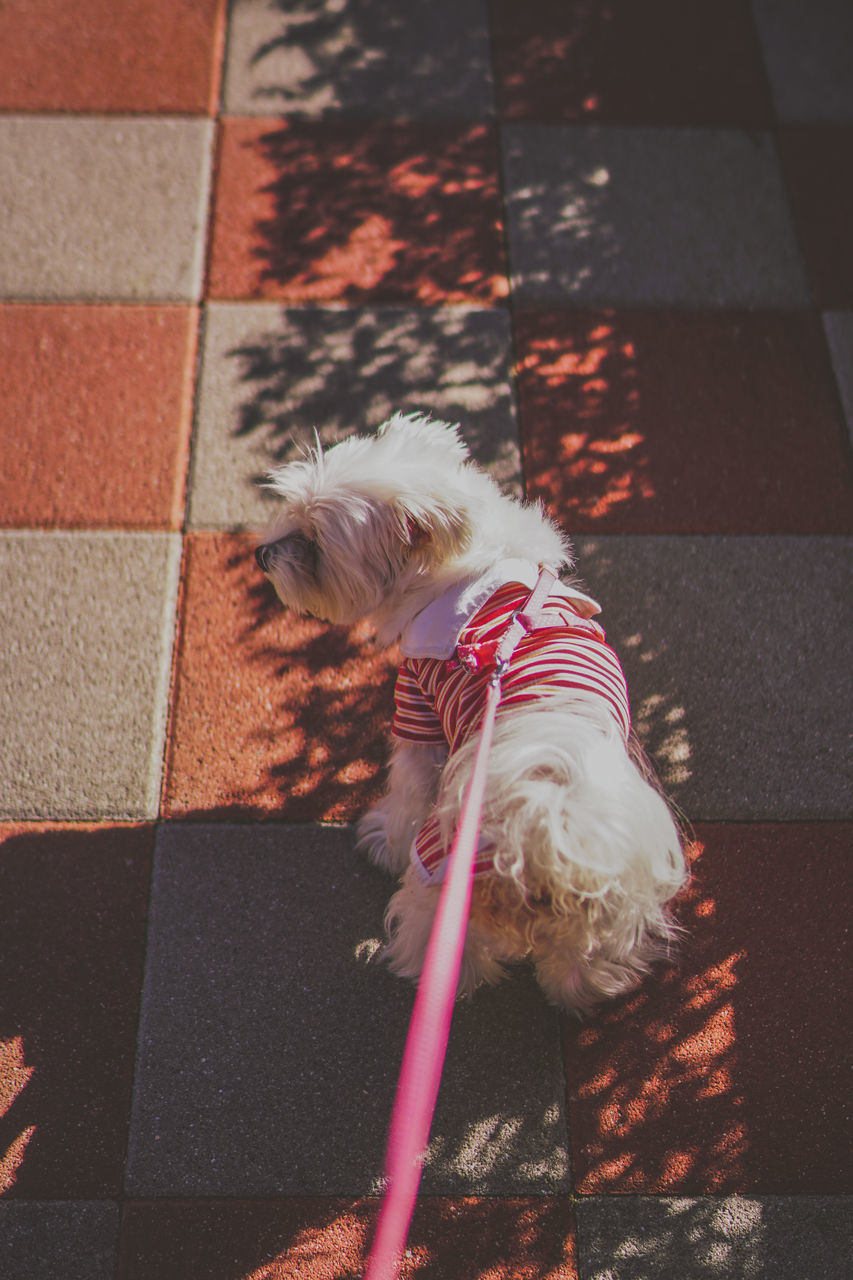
448, 651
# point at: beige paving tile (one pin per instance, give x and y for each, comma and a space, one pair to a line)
360, 58
86, 625
272, 375
103, 208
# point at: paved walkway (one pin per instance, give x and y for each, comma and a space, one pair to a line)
613, 240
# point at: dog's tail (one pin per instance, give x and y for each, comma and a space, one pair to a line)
572, 816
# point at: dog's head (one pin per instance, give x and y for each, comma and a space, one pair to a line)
364, 520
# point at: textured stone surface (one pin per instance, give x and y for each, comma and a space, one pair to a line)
271, 377
97, 208
654, 217
270, 1068
87, 623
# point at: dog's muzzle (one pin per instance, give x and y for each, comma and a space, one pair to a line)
296, 550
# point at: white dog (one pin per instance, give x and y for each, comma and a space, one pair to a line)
578, 854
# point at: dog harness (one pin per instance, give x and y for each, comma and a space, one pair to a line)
441, 686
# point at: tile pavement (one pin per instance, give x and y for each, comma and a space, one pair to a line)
616, 249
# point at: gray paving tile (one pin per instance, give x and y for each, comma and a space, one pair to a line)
42, 1240
86, 621
649, 216
738, 654
839, 334
808, 53
731, 1238
271, 376
361, 57
270, 1046
103, 208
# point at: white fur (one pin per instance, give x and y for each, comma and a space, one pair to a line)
587, 852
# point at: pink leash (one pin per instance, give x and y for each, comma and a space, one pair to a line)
429, 1031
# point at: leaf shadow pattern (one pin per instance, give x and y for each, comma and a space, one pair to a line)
74, 934
304, 707
336, 371
578, 383
320, 59
513, 1239
381, 212
654, 1099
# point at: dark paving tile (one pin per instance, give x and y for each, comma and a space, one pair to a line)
662, 217
270, 1048
91, 55
818, 168
73, 940
714, 1239
272, 714
344, 211
683, 422
806, 49
737, 653
729, 1071
839, 335
95, 414
305, 1239
73, 1239
360, 59
271, 376
660, 63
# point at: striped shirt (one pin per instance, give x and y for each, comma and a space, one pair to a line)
441, 701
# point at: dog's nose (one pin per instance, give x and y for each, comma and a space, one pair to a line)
262, 556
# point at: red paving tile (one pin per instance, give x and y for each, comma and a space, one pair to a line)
301, 1239
73, 937
95, 414
273, 715
679, 422
95, 55
730, 1072
348, 212
818, 166
663, 62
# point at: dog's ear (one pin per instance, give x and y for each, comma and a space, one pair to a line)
435, 526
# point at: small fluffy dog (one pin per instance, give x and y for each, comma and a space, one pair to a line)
579, 853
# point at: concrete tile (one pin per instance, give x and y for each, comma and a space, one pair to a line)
272, 715
73, 941
807, 51
727, 1072
818, 168
683, 422
95, 415
676, 217
90, 55
450, 1239
725, 644
87, 624
665, 63
838, 326
788, 1237
360, 59
72, 1239
270, 1047
272, 376
347, 211
110, 208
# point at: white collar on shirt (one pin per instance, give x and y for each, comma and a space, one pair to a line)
434, 632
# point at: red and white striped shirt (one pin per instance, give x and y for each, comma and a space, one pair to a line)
440, 701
